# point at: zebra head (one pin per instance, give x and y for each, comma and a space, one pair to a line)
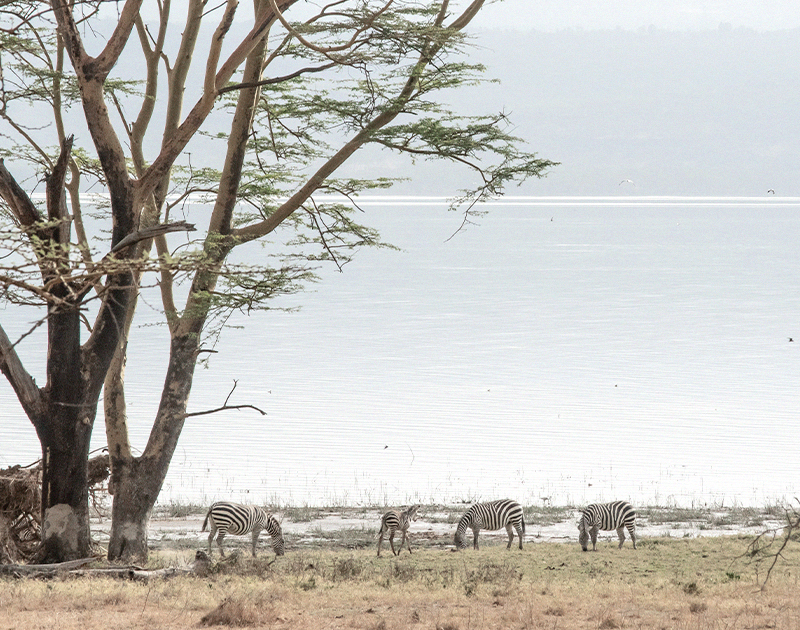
459, 540
412, 512
275, 532
583, 535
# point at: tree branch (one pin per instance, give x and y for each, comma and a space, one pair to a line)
119, 38
225, 406
56, 193
152, 232
21, 381
21, 206
326, 50
274, 80
180, 137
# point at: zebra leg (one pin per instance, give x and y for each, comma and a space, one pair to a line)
407, 540
621, 535
391, 542
593, 533
211, 538
220, 538
632, 532
519, 535
380, 540
475, 531
510, 531
256, 532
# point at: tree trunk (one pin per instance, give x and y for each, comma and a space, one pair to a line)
65, 492
137, 481
134, 497
65, 430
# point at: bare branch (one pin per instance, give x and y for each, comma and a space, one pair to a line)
56, 193
25, 387
21, 206
761, 548
225, 406
274, 80
119, 38
209, 84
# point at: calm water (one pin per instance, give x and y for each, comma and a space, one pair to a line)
576, 349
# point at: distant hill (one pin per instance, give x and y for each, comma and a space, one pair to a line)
685, 113
712, 112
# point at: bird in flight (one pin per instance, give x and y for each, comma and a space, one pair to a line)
628, 181
770, 191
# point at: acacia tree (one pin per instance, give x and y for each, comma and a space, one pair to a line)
289, 100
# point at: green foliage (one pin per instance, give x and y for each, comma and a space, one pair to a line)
394, 65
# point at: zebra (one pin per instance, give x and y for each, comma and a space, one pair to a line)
493, 515
236, 519
606, 516
394, 520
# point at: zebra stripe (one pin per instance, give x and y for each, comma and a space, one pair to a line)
394, 520
236, 519
618, 515
493, 515
29, 534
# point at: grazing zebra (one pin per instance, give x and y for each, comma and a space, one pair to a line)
606, 516
232, 518
394, 520
493, 515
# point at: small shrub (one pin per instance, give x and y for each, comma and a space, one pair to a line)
609, 623
691, 588
346, 568
308, 584
180, 510
470, 586
554, 612
234, 612
403, 572
697, 607
302, 514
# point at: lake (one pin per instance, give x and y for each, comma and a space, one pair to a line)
564, 350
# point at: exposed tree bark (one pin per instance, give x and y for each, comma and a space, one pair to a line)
138, 480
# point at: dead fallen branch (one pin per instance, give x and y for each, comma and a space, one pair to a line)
43, 570
133, 573
76, 567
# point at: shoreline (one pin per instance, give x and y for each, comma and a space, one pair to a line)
357, 527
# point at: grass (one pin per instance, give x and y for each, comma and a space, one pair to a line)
695, 583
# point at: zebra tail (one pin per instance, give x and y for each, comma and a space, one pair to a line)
205, 522
523, 523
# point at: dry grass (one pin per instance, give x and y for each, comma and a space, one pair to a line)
691, 584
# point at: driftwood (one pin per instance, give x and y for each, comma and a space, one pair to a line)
76, 567
133, 573
43, 570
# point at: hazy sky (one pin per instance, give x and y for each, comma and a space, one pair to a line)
633, 14
550, 15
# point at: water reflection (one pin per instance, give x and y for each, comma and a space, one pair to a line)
568, 351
